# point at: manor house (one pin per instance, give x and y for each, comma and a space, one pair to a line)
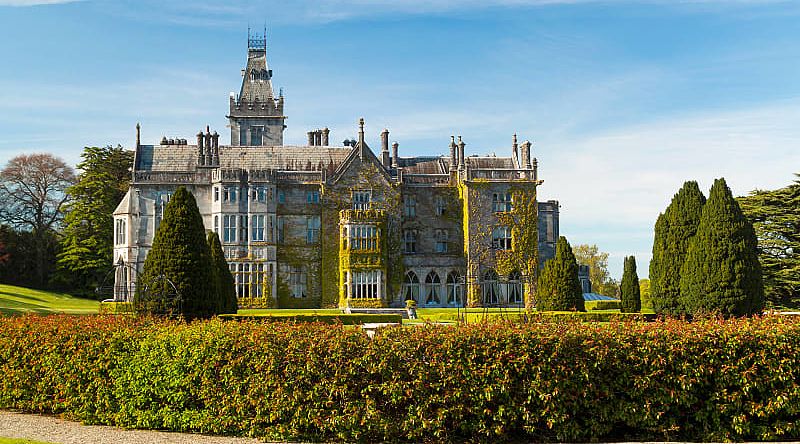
322, 225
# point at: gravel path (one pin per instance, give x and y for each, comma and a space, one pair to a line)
54, 430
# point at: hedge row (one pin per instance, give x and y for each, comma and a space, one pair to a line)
710, 380
343, 318
614, 304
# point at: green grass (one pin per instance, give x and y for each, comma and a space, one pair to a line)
19, 441
20, 300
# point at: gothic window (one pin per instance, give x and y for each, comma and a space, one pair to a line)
501, 238
441, 205
433, 289
411, 287
491, 288
258, 227
312, 229
409, 206
364, 284
312, 197
361, 200
409, 241
297, 282
120, 232
515, 288
229, 228
501, 202
243, 228
441, 241
454, 289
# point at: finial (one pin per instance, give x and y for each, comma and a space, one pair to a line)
361, 124
514, 138
138, 134
208, 129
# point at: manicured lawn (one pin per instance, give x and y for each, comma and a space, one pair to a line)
19, 300
19, 441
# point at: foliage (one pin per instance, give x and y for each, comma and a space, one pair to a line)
602, 282
179, 262
32, 196
226, 290
559, 287
721, 272
644, 294
614, 304
629, 288
21, 266
710, 380
20, 300
328, 318
775, 216
116, 308
674, 228
87, 242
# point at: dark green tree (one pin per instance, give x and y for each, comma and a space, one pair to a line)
722, 273
559, 288
87, 242
673, 230
179, 262
226, 291
631, 301
775, 216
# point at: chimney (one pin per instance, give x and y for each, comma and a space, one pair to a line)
361, 141
325, 133
207, 136
526, 154
395, 160
318, 137
201, 158
138, 135
453, 154
385, 148
515, 148
310, 138
215, 138
462, 163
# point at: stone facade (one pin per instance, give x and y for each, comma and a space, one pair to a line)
339, 226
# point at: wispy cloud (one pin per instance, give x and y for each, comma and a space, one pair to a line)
21, 3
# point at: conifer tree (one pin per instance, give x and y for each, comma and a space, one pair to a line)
180, 256
629, 288
722, 273
673, 230
226, 291
559, 288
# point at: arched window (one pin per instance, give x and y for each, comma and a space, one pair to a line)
491, 288
433, 289
411, 284
515, 288
454, 289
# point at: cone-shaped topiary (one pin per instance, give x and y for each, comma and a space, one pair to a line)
559, 288
226, 291
674, 228
631, 301
722, 273
180, 256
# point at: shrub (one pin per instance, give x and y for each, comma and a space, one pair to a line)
343, 318
226, 290
629, 288
710, 380
559, 287
603, 305
116, 308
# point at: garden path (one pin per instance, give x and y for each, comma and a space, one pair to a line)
55, 430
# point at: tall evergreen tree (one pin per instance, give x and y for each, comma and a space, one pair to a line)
226, 290
559, 288
722, 273
673, 230
775, 215
180, 256
629, 288
86, 245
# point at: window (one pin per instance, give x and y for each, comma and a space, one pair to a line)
501, 238
363, 237
491, 289
411, 287
364, 284
216, 225
256, 134
242, 279
441, 241
297, 282
312, 229
454, 292
258, 227
312, 197
229, 194
120, 232
433, 289
441, 205
281, 196
229, 228
216, 194
409, 206
361, 200
160, 204
279, 225
409, 241
243, 228
515, 288
260, 194
260, 280
501, 202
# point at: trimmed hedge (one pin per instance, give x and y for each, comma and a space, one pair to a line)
116, 308
614, 304
710, 380
343, 318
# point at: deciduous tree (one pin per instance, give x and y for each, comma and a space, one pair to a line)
602, 282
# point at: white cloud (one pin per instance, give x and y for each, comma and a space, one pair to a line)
34, 2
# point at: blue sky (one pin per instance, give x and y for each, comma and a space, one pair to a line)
624, 100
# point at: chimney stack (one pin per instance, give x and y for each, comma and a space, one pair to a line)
207, 146
138, 135
515, 148
325, 133
395, 160
310, 138
526, 154
462, 163
215, 138
201, 158
453, 154
385, 148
